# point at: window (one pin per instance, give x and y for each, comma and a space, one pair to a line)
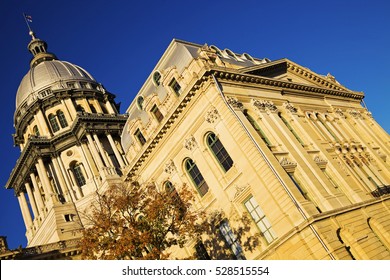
156, 78
291, 129
71, 85
62, 119
260, 219
174, 85
157, 113
196, 177
138, 134
78, 174
231, 239
298, 185
53, 123
219, 151
170, 189
36, 130
201, 252
258, 129
80, 108
140, 102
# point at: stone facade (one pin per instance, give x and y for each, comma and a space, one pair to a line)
294, 149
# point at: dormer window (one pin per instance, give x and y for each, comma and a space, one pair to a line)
71, 85
36, 130
175, 86
156, 78
157, 113
140, 102
138, 134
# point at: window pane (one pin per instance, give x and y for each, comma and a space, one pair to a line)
219, 151
62, 119
196, 177
53, 123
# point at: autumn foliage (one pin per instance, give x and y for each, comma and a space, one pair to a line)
134, 222
129, 221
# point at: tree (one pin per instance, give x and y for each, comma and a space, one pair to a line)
223, 241
129, 221
133, 222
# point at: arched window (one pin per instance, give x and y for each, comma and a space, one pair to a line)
196, 176
140, 103
258, 129
171, 190
156, 78
219, 151
53, 123
78, 174
36, 130
62, 119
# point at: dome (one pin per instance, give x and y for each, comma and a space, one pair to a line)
51, 74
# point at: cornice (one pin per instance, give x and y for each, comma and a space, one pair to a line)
150, 145
43, 146
229, 75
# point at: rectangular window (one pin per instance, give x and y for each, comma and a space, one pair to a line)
260, 219
174, 85
157, 113
138, 134
231, 239
201, 252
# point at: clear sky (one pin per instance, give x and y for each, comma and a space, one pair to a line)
120, 41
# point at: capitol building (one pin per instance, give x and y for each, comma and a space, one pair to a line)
295, 150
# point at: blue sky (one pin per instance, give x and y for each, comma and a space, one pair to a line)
119, 43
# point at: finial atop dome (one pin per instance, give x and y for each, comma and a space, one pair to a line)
37, 47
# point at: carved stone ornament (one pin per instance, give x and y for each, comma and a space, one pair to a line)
290, 107
212, 115
190, 143
355, 114
288, 165
264, 105
339, 112
321, 162
170, 167
232, 101
240, 190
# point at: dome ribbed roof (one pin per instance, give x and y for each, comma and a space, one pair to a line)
53, 74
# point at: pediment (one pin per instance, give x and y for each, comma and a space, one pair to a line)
286, 70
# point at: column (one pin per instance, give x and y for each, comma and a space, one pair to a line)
89, 159
44, 179
60, 177
109, 107
31, 198
116, 152
95, 153
25, 211
66, 111
67, 180
37, 193
102, 152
